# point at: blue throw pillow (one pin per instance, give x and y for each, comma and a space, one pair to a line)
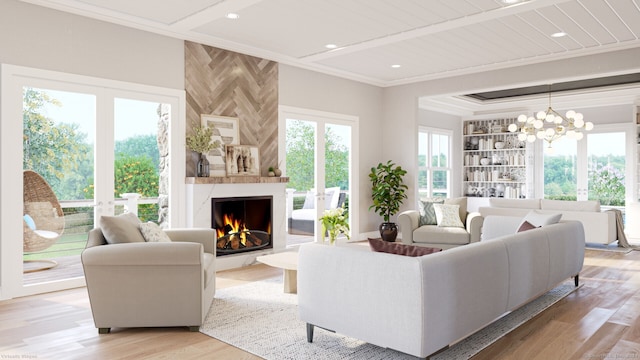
29, 220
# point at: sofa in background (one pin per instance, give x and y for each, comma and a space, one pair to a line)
440, 235
302, 221
135, 283
420, 305
599, 226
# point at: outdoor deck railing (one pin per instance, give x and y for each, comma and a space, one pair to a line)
79, 220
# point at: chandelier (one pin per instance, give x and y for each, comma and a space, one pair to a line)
550, 125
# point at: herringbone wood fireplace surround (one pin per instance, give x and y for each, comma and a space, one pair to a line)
226, 83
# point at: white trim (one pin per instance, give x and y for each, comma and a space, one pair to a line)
12, 79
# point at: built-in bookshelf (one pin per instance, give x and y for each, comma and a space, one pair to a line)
494, 160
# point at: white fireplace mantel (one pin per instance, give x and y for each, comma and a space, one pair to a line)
200, 191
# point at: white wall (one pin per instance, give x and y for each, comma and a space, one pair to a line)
43, 38
311, 90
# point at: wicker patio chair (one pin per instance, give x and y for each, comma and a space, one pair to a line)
45, 221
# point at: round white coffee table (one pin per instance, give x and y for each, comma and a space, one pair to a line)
287, 260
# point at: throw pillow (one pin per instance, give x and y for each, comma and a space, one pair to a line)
526, 226
460, 201
151, 232
121, 229
427, 211
538, 219
448, 215
29, 220
310, 200
400, 249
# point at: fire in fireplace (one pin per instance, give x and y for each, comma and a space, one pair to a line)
242, 223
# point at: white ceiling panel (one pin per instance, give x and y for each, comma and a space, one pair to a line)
166, 12
593, 26
609, 19
577, 38
429, 38
628, 12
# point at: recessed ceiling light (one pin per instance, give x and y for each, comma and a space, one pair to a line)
331, 46
395, 66
232, 16
509, 2
559, 34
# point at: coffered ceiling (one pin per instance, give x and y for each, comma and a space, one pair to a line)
426, 39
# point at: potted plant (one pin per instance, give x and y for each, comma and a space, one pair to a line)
201, 143
387, 192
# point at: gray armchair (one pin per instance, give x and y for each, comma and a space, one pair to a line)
443, 237
151, 284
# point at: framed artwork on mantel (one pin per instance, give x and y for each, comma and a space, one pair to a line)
242, 160
225, 130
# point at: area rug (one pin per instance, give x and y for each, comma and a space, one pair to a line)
263, 320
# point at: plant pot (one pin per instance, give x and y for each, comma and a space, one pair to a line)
388, 231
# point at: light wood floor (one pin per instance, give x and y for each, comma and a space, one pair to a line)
601, 320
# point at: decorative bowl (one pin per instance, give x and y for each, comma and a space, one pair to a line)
485, 161
499, 145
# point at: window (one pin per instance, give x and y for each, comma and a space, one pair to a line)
434, 162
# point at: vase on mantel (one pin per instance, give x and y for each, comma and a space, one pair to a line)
202, 167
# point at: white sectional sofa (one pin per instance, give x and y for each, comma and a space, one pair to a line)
599, 226
419, 305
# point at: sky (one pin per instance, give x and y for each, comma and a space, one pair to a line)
132, 117
599, 144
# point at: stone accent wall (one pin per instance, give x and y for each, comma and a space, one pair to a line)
226, 83
164, 116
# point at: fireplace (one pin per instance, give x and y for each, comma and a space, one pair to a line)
242, 224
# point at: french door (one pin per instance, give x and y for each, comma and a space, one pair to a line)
320, 162
593, 168
79, 134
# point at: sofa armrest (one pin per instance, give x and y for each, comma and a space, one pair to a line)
204, 236
408, 221
474, 226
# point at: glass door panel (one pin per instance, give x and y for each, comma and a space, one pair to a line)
337, 153
301, 169
561, 170
141, 169
589, 169
606, 168
58, 144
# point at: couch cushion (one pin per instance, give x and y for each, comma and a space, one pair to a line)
400, 249
121, 229
151, 232
310, 200
427, 211
332, 195
515, 203
433, 234
586, 205
538, 218
29, 221
448, 215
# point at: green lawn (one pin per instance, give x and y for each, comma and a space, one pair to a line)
67, 245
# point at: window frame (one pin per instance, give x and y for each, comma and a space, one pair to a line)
428, 167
